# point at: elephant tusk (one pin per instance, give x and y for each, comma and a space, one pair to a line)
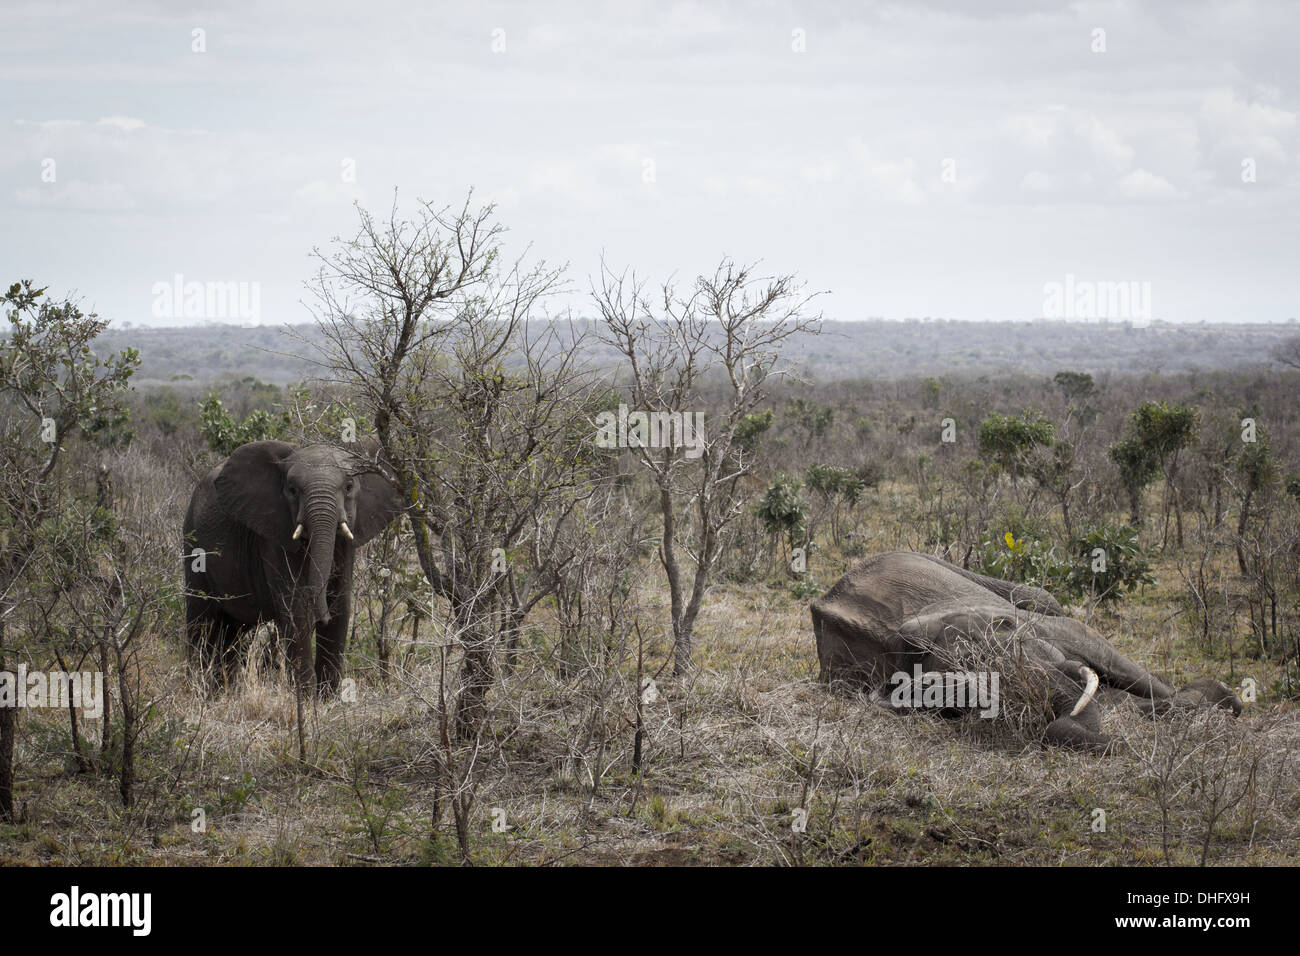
1089, 689
297, 532
343, 526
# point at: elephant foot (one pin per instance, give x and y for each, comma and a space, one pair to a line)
217, 674
1206, 692
326, 689
328, 677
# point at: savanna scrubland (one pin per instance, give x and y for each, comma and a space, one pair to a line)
571, 654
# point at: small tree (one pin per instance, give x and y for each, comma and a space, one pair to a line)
483, 421
1075, 386
810, 418
1107, 564
1288, 352
1256, 472
835, 487
223, 434
783, 512
53, 390
1053, 467
1137, 469
731, 325
1165, 430
1009, 442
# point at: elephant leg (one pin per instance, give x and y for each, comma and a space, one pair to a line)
198, 629
214, 644
227, 638
331, 641
273, 651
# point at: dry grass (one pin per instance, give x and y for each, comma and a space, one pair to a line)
731, 756
748, 762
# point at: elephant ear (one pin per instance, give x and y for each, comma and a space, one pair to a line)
378, 500
250, 489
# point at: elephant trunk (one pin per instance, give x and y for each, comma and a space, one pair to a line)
322, 520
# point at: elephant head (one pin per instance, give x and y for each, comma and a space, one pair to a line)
310, 496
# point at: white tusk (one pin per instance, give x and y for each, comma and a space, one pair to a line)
297, 532
343, 526
1089, 689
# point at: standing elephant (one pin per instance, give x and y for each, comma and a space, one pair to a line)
900, 611
278, 526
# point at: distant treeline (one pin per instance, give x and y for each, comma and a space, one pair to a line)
845, 350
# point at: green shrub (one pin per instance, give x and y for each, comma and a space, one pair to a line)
223, 434
1120, 568
805, 588
1026, 559
783, 510
1076, 571
832, 482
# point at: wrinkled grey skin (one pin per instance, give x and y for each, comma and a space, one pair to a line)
243, 515
900, 608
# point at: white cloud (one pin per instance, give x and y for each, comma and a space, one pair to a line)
318, 192
1104, 143
885, 178
1037, 181
229, 162
824, 170
88, 197
1231, 129
127, 123
1144, 186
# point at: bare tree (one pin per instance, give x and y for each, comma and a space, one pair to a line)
731, 325
482, 418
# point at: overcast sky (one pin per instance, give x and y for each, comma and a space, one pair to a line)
916, 159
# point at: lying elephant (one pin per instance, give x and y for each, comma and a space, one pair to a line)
902, 613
